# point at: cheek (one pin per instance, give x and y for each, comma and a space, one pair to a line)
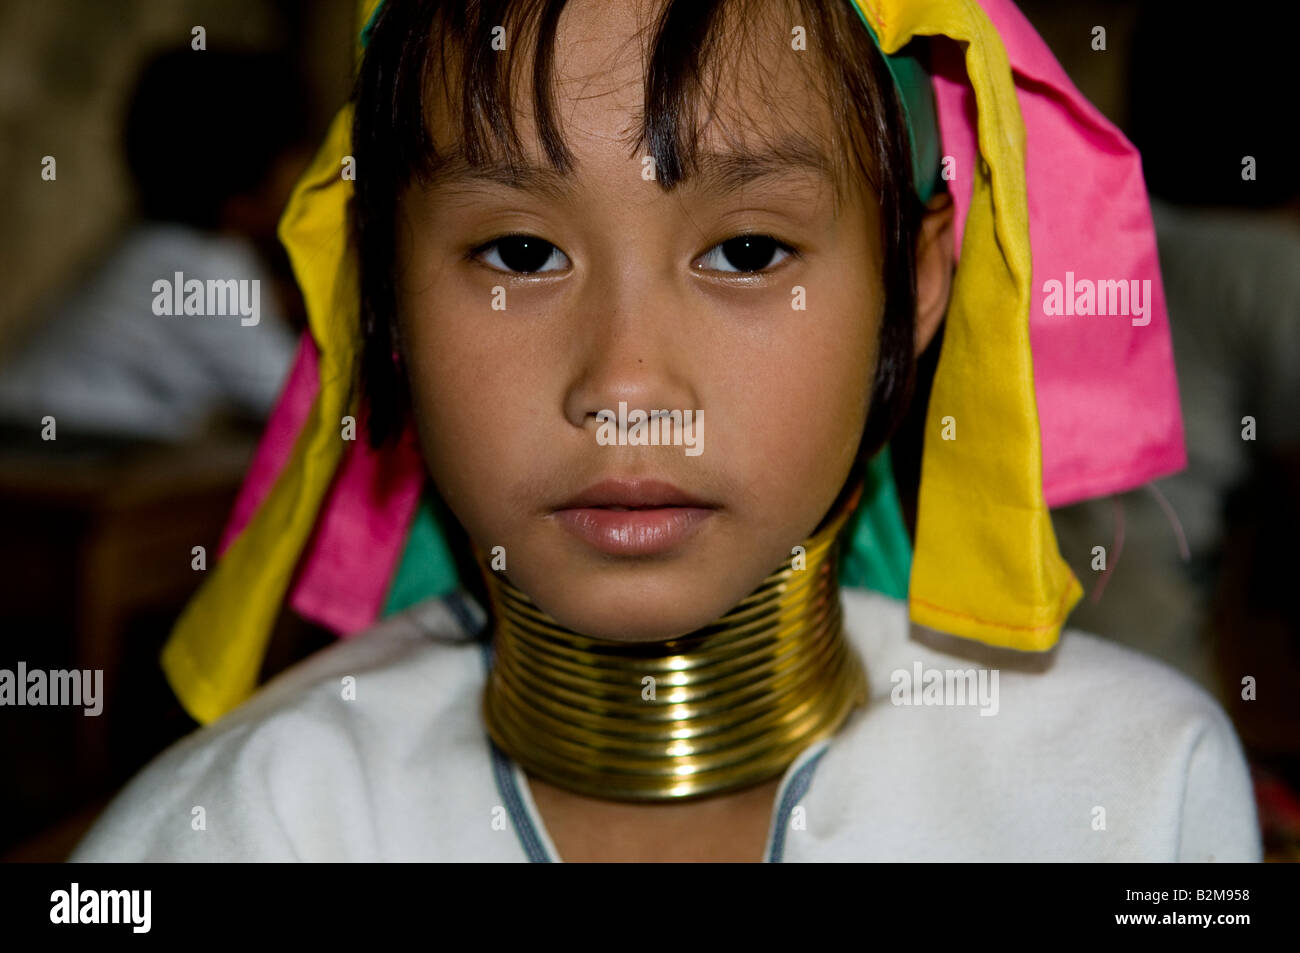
466, 405
806, 400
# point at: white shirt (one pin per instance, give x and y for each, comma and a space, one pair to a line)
1094, 753
103, 361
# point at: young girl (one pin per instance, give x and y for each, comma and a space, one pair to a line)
574, 228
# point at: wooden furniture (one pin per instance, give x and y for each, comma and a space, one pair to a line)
97, 535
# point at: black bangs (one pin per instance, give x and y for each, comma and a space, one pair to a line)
437, 58
427, 50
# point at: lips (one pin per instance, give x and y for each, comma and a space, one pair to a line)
633, 495
634, 517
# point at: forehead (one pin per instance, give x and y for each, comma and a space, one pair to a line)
760, 107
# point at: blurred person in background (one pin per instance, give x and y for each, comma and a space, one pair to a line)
214, 141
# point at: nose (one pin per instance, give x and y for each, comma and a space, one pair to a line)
631, 344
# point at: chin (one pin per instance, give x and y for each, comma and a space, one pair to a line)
636, 611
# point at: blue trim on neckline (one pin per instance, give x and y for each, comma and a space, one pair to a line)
529, 839
503, 774
793, 793
456, 602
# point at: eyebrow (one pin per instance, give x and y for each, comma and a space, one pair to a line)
732, 169
718, 172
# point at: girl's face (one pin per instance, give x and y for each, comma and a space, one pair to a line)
625, 294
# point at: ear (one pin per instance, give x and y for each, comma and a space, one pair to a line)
934, 264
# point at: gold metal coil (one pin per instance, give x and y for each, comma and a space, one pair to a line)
735, 701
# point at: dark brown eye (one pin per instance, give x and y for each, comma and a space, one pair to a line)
526, 254
745, 254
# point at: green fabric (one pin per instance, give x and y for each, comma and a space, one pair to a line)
912, 80
879, 551
370, 24
427, 567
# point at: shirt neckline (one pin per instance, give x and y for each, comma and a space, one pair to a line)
538, 846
